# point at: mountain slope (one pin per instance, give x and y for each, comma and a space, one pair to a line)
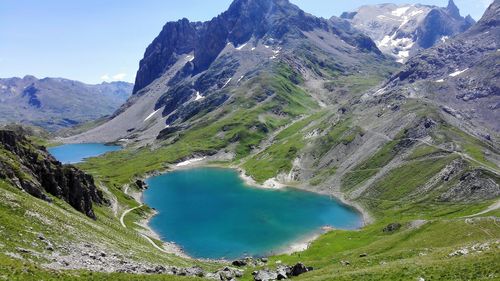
461, 76
192, 69
402, 30
312, 111
55, 103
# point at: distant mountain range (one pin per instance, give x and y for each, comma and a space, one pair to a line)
402, 30
55, 103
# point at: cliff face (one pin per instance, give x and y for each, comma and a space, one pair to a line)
35, 171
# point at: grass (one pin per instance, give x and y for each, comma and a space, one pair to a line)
370, 167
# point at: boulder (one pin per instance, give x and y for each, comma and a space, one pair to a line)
265, 275
298, 269
392, 227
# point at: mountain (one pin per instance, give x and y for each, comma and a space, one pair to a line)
32, 169
402, 30
55, 103
194, 69
461, 75
289, 99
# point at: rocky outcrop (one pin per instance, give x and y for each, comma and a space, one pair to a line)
281, 272
473, 186
35, 171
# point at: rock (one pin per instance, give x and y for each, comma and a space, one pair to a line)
239, 263
41, 237
265, 275
49, 248
344, 263
141, 184
298, 269
195, 271
229, 273
264, 260
363, 255
283, 272
48, 176
392, 227
23, 250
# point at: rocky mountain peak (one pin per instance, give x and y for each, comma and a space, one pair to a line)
453, 9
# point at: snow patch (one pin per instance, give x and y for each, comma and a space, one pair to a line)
151, 115
439, 81
267, 47
400, 11
190, 58
198, 96
3, 87
458, 72
189, 162
241, 47
253, 48
403, 55
444, 38
415, 13
227, 82
242, 76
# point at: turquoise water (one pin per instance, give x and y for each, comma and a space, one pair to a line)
211, 213
74, 153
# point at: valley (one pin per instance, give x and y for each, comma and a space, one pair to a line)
267, 128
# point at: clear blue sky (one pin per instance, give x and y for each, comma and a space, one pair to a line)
96, 40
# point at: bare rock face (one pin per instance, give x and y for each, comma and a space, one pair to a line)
34, 170
473, 186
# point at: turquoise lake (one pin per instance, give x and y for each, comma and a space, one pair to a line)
212, 213
74, 153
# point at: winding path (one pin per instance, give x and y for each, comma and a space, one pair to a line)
126, 212
153, 243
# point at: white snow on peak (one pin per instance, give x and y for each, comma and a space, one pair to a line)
189, 58
403, 55
198, 96
227, 82
415, 13
151, 115
400, 11
440, 81
444, 38
241, 47
242, 76
458, 72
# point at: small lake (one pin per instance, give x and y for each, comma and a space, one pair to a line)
74, 153
212, 213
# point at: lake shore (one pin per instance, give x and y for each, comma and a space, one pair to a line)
297, 246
